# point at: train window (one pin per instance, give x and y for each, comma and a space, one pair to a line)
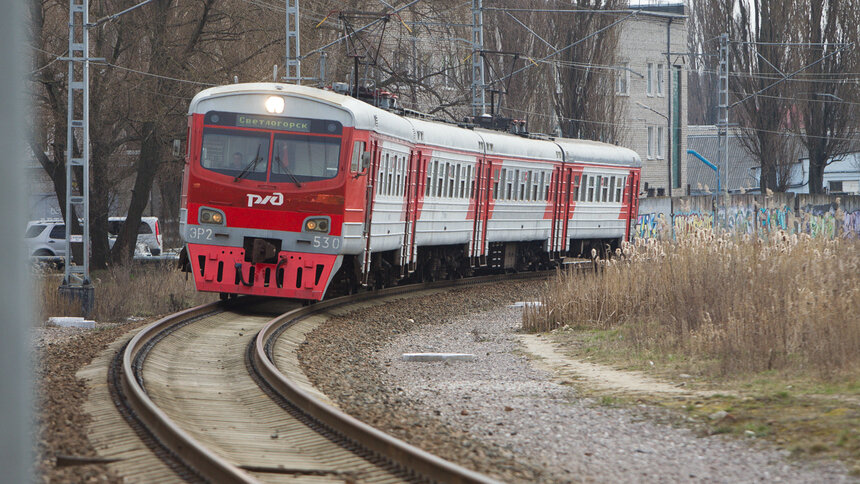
234, 152
576, 187
519, 184
471, 182
433, 181
597, 180
440, 180
542, 185
612, 189
389, 174
590, 197
506, 185
429, 180
604, 189
357, 150
548, 195
403, 168
381, 168
456, 181
449, 192
496, 184
397, 176
619, 188
304, 158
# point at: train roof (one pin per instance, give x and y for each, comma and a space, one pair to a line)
433, 133
363, 115
586, 151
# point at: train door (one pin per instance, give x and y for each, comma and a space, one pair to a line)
479, 203
368, 208
557, 211
566, 212
483, 181
413, 180
632, 203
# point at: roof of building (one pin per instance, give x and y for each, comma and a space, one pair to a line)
660, 9
702, 179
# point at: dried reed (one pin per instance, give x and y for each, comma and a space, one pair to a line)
788, 302
122, 292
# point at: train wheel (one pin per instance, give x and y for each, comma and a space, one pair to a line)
223, 295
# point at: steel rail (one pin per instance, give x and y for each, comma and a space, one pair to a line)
208, 465
407, 456
199, 458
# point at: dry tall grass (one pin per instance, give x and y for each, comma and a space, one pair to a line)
122, 292
748, 304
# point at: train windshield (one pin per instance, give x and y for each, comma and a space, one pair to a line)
279, 150
299, 158
235, 153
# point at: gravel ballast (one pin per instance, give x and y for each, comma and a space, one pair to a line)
60, 421
499, 415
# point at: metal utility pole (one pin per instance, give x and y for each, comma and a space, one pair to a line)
294, 51
723, 121
478, 96
76, 280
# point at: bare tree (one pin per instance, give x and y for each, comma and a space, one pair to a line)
704, 26
585, 100
829, 113
758, 61
788, 77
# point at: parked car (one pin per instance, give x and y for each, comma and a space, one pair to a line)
148, 234
47, 238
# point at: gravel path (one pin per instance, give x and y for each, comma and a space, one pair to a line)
498, 406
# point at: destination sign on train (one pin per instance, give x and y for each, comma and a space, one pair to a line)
280, 124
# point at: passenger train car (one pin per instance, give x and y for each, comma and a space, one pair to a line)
288, 189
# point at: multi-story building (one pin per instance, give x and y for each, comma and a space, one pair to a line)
652, 76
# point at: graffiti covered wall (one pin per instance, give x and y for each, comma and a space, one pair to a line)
817, 215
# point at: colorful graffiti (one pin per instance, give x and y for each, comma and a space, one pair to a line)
819, 220
687, 224
774, 219
647, 226
739, 219
824, 220
851, 225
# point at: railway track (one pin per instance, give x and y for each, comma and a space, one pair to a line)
218, 394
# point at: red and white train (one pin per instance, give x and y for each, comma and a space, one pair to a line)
289, 188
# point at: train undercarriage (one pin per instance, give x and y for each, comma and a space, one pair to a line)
452, 262
440, 263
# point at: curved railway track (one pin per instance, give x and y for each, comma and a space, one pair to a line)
217, 393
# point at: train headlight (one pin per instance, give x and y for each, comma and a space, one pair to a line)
317, 225
275, 104
209, 216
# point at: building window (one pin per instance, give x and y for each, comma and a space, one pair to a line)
622, 79
660, 142
650, 142
650, 86
660, 80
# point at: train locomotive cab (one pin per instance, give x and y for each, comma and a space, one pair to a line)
264, 190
